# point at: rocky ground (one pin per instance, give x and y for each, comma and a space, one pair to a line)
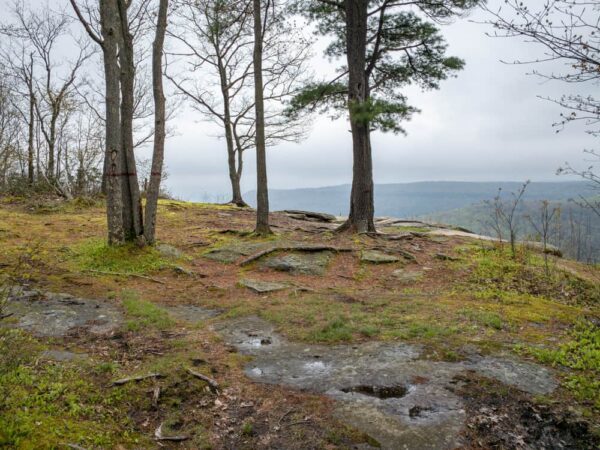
419, 337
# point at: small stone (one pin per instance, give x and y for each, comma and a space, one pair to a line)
407, 275
444, 257
168, 251
405, 235
375, 257
183, 271
62, 356
263, 287
305, 264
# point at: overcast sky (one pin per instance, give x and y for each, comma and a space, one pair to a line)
487, 124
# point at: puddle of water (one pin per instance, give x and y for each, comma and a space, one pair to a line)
315, 366
419, 411
256, 342
382, 392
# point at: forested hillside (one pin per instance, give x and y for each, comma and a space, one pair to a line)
575, 230
409, 200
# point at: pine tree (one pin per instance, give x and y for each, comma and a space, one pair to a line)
388, 46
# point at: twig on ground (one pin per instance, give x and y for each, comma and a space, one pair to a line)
155, 396
284, 416
122, 274
198, 244
212, 384
137, 378
232, 231
300, 422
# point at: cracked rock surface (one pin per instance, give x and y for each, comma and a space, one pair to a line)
53, 315
383, 389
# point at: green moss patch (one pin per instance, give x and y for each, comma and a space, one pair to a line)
47, 406
580, 354
96, 255
495, 273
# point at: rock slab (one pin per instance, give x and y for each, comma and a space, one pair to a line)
263, 287
47, 314
375, 257
300, 263
382, 389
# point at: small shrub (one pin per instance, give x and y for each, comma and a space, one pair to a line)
247, 429
16, 348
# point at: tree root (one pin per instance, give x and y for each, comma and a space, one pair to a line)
121, 274
302, 248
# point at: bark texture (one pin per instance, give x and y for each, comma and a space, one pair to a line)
30, 131
113, 175
262, 193
132, 203
361, 214
159, 123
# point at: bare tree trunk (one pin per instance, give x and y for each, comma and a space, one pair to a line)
30, 131
132, 204
159, 123
262, 192
361, 214
52, 146
105, 167
237, 198
239, 154
109, 14
80, 183
234, 172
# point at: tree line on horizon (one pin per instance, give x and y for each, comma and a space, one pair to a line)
244, 65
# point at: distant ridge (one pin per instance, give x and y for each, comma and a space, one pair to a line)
416, 199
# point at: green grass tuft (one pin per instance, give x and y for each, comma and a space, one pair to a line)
486, 318
144, 314
335, 331
247, 429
